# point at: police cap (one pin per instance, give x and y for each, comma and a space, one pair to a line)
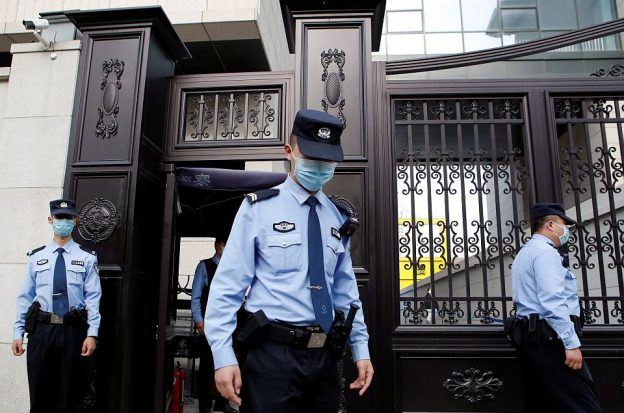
63, 206
318, 135
545, 209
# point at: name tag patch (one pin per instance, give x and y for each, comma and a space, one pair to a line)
43, 261
283, 226
335, 233
81, 263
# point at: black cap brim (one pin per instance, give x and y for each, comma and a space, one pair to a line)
568, 220
64, 211
319, 150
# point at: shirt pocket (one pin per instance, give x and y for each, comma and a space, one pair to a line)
75, 281
43, 274
285, 251
333, 250
76, 275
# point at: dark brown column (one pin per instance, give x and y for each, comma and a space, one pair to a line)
113, 173
333, 42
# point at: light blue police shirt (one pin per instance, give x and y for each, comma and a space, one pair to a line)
542, 285
267, 250
200, 281
83, 284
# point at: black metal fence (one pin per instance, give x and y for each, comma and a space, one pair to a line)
462, 197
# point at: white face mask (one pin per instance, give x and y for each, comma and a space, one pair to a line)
563, 239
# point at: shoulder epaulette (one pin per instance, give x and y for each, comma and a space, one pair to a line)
36, 250
87, 250
260, 195
353, 222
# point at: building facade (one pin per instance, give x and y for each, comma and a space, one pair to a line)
459, 114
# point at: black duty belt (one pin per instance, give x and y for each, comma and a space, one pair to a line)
299, 337
49, 318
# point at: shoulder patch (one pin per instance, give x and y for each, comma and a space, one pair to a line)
36, 250
260, 195
87, 250
344, 206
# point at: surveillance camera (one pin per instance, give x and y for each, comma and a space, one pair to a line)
36, 24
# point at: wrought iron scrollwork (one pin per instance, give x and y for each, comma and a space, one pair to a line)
333, 96
507, 110
451, 312
616, 70
261, 115
567, 109
106, 125
487, 313
618, 311
217, 116
441, 110
415, 316
463, 191
97, 220
473, 386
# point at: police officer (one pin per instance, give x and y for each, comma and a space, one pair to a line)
204, 274
547, 328
286, 245
58, 305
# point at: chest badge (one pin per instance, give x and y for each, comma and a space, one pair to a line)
283, 226
335, 233
43, 261
81, 263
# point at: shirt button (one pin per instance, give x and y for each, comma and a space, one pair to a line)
284, 243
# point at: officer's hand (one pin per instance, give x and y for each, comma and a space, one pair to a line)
88, 347
18, 347
365, 376
574, 358
200, 326
229, 383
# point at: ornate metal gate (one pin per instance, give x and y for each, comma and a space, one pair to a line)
590, 142
462, 196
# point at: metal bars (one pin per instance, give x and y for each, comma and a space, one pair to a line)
590, 144
215, 116
462, 197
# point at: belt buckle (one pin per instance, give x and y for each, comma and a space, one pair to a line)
317, 340
55, 319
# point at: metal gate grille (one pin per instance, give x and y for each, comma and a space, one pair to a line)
590, 142
462, 198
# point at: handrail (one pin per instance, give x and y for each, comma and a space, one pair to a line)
505, 52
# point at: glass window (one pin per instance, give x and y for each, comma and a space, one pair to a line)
405, 21
403, 4
557, 14
479, 41
594, 11
481, 15
522, 37
519, 19
507, 3
405, 44
442, 16
444, 43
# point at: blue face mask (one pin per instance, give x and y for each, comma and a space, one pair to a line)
62, 227
312, 175
565, 237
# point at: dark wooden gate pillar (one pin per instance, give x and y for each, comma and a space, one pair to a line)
113, 173
333, 42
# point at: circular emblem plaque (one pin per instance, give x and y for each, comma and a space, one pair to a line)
97, 220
